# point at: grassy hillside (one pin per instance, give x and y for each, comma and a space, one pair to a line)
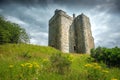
32, 62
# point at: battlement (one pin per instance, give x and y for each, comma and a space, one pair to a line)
57, 11
60, 13
82, 16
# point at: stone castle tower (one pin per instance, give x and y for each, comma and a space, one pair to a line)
70, 34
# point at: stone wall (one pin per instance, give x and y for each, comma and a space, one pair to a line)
85, 41
88, 35
55, 32
65, 26
59, 26
72, 38
81, 40
79, 34
70, 34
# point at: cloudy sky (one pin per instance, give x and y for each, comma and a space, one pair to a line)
33, 15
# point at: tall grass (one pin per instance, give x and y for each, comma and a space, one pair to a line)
32, 62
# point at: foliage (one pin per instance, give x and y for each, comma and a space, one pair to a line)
60, 63
12, 33
33, 62
95, 72
28, 70
109, 56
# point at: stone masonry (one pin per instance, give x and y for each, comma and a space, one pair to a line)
70, 34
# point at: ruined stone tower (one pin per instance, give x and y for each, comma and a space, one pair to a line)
70, 34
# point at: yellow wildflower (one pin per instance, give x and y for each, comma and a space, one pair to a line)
35, 63
45, 60
97, 67
95, 64
22, 65
26, 64
88, 65
114, 79
37, 66
105, 71
10, 66
30, 66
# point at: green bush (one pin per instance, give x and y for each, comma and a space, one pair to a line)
12, 33
109, 56
60, 63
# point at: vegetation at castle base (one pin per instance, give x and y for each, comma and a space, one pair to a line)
109, 56
12, 33
32, 62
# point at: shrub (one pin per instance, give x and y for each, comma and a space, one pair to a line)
60, 63
12, 33
109, 56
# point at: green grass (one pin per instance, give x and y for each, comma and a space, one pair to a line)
13, 56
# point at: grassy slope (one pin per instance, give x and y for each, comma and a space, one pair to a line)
20, 53
14, 53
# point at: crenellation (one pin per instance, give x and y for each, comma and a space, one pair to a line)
60, 12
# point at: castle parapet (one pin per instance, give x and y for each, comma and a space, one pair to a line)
60, 13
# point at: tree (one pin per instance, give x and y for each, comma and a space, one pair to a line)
12, 33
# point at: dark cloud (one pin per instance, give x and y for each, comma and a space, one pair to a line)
117, 4
24, 2
78, 2
33, 19
33, 15
112, 5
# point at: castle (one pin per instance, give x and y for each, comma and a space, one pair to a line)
70, 34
